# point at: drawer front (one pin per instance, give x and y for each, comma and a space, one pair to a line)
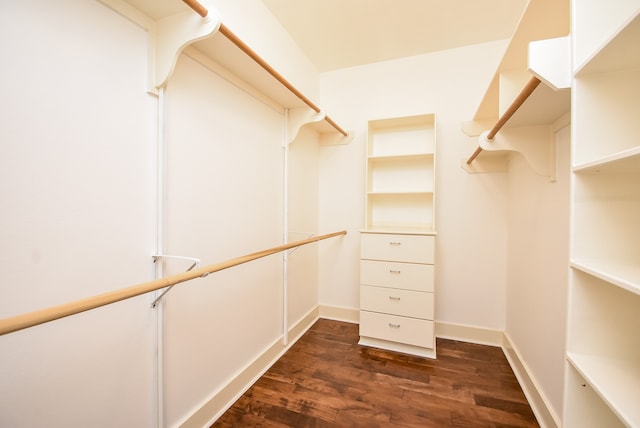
399, 248
397, 329
415, 304
407, 276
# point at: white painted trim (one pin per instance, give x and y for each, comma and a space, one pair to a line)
467, 333
220, 401
340, 314
545, 415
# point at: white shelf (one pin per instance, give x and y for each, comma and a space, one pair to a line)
175, 28
621, 275
400, 181
626, 161
543, 107
603, 351
616, 381
619, 52
402, 157
401, 193
401, 230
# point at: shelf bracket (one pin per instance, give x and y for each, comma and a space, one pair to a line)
303, 116
299, 117
534, 143
170, 36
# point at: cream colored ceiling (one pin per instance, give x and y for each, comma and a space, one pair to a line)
343, 33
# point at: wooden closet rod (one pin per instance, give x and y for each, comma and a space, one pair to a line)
531, 85
202, 11
20, 322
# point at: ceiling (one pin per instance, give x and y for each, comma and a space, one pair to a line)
338, 34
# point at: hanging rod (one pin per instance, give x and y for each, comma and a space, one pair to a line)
528, 89
31, 319
224, 30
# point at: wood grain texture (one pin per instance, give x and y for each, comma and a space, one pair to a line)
327, 380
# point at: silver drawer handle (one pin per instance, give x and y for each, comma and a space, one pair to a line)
395, 243
394, 325
393, 298
394, 271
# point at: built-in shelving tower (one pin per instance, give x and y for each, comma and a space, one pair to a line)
398, 242
603, 350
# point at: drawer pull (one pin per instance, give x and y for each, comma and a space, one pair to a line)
393, 298
394, 243
394, 271
394, 325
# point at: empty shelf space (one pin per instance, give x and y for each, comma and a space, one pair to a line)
621, 275
616, 381
622, 162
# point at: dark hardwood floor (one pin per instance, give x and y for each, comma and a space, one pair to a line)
326, 380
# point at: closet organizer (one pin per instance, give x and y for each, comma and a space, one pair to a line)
528, 99
192, 28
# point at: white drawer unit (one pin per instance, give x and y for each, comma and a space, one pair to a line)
394, 301
396, 329
397, 292
407, 276
397, 247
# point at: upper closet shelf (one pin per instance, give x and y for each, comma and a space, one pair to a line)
529, 97
194, 27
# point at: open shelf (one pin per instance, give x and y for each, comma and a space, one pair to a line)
602, 344
175, 28
607, 104
624, 276
538, 50
606, 207
612, 42
626, 161
400, 174
616, 381
400, 180
399, 210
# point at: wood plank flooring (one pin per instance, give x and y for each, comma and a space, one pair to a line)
327, 380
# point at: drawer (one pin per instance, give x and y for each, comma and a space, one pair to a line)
399, 248
415, 304
411, 331
407, 276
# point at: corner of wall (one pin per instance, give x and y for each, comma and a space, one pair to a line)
544, 413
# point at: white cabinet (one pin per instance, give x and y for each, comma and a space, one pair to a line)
603, 351
398, 243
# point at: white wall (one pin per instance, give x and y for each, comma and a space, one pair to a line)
471, 209
224, 200
78, 141
536, 304
76, 185
303, 221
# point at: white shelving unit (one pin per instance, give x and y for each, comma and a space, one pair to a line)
398, 242
603, 351
174, 29
539, 48
400, 174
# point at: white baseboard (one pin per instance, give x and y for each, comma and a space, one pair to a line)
220, 401
466, 333
545, 415
340, 314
